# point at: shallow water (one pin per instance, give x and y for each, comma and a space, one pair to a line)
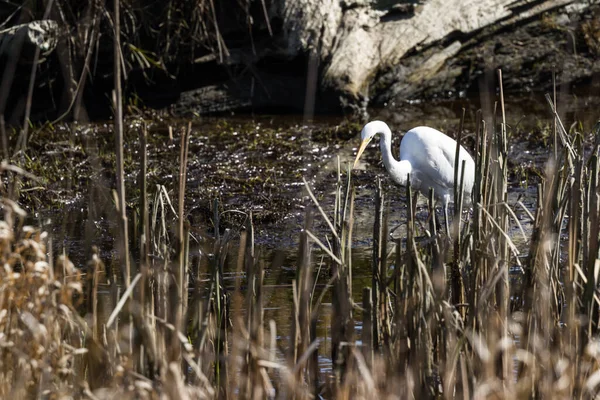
256, 164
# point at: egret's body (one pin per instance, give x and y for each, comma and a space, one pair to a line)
427, 155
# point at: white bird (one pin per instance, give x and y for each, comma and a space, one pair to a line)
427, 155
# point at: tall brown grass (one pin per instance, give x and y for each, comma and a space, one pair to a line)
174, 332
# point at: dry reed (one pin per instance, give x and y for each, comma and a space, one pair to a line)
447, 320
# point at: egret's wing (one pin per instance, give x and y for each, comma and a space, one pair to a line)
428, 158
432, 154
446, 164
437, 169
449, 157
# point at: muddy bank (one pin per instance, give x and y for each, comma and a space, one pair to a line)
248, 165
256, 163
253, 165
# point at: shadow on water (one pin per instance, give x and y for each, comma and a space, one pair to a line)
255, 165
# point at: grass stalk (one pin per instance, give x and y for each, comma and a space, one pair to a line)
119, 147
457, 283
303, 285
503, 291
506, 335
183, 274
378, 266
36, 58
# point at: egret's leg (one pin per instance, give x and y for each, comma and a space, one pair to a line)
412, 207
436, 221
446, 218
432, 219
415, 199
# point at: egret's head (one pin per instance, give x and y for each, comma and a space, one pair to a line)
367, 133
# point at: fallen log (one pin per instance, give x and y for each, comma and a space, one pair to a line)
368, 53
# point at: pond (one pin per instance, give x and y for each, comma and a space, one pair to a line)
255, 165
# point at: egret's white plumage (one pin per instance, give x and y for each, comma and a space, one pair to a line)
427, 155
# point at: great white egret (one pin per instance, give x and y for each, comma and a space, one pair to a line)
427, 155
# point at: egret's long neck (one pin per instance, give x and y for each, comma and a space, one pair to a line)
385, 143
399, 170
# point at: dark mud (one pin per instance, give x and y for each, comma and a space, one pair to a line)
248, 165
255, 165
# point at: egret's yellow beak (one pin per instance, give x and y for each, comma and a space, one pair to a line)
362, 148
